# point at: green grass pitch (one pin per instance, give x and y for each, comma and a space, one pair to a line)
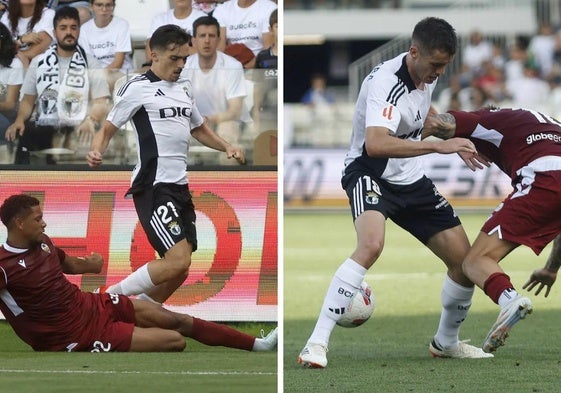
198, 369
389, 353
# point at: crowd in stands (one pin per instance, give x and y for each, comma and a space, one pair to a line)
54, 94
523, 73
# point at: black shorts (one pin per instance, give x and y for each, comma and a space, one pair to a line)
167, 214
418, 207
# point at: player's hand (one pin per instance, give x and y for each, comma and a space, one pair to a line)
544, 277
95, 262
95, 158
236, 153
15, 130
474, 161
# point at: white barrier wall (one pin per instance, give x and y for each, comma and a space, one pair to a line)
312, 178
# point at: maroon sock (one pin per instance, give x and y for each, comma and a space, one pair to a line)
495, 284
210, 333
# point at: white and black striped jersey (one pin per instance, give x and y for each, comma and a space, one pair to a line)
388, 98
162, 114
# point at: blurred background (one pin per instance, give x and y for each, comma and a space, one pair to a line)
509, 55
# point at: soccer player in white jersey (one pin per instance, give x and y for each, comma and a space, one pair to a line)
164, 116
383, 178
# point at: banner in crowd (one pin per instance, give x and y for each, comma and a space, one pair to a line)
233, 275
312, 178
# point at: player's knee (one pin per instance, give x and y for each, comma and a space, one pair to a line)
371, 249
179, 264
176, 342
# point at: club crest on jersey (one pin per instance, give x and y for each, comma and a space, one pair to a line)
372, 198
174, 228
45, 248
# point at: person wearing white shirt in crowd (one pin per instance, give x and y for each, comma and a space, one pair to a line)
31, 25
477, 52
107, 37
207, 6
11, 79
217, 81
182, 14
245, 22
542, 48
530, 91
54, 108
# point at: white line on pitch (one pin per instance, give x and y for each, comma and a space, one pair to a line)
138, 372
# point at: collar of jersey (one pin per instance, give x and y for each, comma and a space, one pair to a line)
403, 74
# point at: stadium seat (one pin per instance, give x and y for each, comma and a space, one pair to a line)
265, 148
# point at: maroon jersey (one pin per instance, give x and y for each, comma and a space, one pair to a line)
511, 138
46, 310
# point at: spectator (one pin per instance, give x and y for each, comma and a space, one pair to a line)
542, 48
518, 56
218, 83
83, 7
62, 104
530, 91
267, 58
245, 22
31, 26
476, 52
11, 79
182, 14
554, 76
318, 94
107, 38
206, 6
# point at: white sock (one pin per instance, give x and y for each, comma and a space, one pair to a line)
344, 284
507, 296
456, 301
134, 284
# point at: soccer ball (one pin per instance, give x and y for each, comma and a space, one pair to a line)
361, 307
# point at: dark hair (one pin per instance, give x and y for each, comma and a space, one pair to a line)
273, 18
17, 205
205, 21
169, 34
432, 34
8, 48
66, 12
14, 13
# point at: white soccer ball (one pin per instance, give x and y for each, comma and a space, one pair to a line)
361, 307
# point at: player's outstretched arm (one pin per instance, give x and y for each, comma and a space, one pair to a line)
99, 143
88, 264
546, 276
209, 138
442, 126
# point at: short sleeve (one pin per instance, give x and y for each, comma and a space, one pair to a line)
127, 103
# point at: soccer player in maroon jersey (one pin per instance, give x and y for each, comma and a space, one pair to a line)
526, 145
50, 313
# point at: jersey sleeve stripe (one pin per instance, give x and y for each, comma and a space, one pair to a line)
128, 83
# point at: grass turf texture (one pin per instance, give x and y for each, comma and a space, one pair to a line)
198, 369
389, 353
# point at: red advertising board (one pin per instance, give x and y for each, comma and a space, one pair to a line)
233, 276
